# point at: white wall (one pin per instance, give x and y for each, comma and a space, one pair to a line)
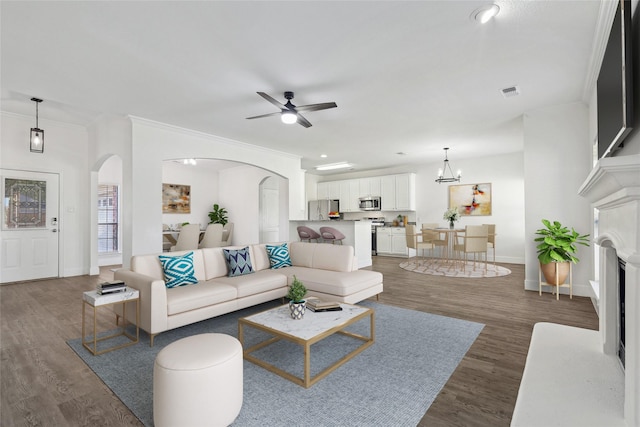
65, 153
558, 158
240, 192
505, 173
154, 142
204, 191
507, 200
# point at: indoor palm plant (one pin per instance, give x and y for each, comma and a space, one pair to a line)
557, 249
218, 215
296, 294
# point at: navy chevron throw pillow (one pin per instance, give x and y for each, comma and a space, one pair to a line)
238, 261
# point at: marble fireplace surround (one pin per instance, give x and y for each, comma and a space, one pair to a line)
613, 187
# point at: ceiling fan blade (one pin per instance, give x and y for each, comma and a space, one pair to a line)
272, 100
265, 115
316, 107
304, 122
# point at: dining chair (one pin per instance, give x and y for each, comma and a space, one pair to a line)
413, 242
188, 238
429, 234
491, 240
212, 237
474, 242
227, 232
330, 234
307, 233
166, 243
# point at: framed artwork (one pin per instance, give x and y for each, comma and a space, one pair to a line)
176, 198
471, 199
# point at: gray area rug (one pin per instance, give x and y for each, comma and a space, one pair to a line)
392, 383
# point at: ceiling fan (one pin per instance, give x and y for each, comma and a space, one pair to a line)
290, 113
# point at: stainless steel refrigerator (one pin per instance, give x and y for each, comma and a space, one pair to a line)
319, 209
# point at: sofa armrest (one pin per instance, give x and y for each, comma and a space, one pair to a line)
153, 299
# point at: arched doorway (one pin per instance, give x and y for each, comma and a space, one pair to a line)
269, 210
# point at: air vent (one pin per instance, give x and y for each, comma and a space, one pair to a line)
510, 92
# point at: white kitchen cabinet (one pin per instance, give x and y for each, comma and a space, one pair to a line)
391, 241
398, 192
388, 192
369, 187
349, 195
406, 192
334, 190
374, 183
383, 242
323, 190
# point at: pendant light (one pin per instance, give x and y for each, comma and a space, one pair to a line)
36, 140
443, 171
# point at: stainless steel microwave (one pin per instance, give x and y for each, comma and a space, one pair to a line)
370, 204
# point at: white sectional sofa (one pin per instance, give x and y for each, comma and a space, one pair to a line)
328, 271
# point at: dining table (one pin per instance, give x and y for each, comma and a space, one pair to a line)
171, 236
450, 239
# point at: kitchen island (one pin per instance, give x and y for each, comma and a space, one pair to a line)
357, 234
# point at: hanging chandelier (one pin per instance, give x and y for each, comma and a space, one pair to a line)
443, 171
36, 140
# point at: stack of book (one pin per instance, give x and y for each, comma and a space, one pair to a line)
317, 305
106, 288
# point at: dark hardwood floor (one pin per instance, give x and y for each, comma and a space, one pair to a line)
44, 383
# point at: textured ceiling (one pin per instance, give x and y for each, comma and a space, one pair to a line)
409, 77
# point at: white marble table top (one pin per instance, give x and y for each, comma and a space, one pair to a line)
312, 323
95, 299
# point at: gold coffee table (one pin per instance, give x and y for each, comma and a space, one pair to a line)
313, 327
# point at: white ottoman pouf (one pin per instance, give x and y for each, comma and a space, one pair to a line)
197, 381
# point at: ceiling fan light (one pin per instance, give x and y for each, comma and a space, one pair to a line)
289, 117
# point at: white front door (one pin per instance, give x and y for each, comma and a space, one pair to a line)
30, 217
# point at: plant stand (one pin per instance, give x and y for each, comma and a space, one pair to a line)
569, 285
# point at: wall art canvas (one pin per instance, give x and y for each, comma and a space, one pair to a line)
471, 199
176, 198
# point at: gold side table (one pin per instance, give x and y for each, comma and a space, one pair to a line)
95, 300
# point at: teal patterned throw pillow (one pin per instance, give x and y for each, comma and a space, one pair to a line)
238, 261
279, 256
178, 270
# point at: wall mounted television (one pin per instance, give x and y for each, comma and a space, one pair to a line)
615, 84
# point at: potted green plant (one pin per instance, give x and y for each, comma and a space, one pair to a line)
218, 215
296, 294
557, 249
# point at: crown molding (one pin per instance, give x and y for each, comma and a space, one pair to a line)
603, 27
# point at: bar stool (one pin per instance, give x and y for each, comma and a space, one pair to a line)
306, 233
332, 235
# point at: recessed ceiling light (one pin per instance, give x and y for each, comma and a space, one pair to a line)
400, 153
324, 156
332, 166
484, 13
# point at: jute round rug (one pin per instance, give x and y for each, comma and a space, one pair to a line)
437, 267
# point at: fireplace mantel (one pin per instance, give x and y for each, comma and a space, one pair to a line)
613, 187
563, 382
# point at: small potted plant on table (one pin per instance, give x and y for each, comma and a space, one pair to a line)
296, 294
556, 250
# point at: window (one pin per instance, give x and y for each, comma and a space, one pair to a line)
108, 218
